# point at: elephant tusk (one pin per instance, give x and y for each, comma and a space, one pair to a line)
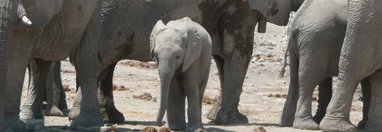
26, 20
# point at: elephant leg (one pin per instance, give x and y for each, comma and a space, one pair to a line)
366, 97
57, 82
88, 70
310, 75
106, 99
215, 109
32, 108
191, 85
324, 96
290, 105
75, 110
374, 122
54, 89
176, 116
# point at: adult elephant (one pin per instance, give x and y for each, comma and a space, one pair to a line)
55, 32
122, 30
360, 57
314, 47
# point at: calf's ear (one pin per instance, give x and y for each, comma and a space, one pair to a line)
157, 28
192, 51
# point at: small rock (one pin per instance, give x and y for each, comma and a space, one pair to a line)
164, 129
66, 88
200, 130
144, 96
259, 129
150, 129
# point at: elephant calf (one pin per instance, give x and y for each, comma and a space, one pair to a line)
315, 39
182, 50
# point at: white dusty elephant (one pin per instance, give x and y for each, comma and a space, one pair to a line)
315, 39
182, 50
52, 32
361, 56
121, 31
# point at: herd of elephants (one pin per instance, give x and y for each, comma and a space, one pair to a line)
326, 38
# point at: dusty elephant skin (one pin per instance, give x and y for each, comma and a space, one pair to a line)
53, 92
8, 8
53, 33
182, 50
360, 57
112, 36
315, 40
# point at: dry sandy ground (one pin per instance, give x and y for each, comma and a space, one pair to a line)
261, 100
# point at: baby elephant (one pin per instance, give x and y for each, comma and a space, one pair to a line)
182, 51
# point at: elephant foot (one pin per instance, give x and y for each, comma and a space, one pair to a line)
73, 113
318, 118
35, 125
230, 117
305, 123
13, 124
86, 121
194, 127
27, 113
286, 120
336, 124
114, 116
53, 110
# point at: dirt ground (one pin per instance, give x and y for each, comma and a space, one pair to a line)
262, 98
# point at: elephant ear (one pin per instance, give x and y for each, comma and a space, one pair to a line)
193, 50
157, 28
276, 11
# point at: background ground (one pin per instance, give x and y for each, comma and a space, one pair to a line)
262, 98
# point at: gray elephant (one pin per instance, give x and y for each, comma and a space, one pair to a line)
182, 51
360, 57
121, 31
53, 33
315, 40
54, 93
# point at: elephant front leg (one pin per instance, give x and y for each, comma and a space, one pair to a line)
235, 68
374, 122
191, 84
176, 116
32, 109
89, 115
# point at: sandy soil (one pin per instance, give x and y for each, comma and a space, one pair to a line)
262, 98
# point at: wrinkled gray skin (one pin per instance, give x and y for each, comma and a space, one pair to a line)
8, 8
113, 36
54, 93
109, 112
54, 33
360, 57
315, 40
182, 50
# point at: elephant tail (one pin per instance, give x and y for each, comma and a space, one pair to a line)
291, 41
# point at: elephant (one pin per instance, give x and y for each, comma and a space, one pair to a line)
182, 50
121, 31
50, 31
315, 39
54, 93
360, 57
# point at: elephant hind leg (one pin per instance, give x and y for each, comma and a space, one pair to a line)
215, 109
324, 96
366, 97
108, 110
290, 104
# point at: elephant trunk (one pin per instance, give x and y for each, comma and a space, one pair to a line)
166, 73
8, 9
